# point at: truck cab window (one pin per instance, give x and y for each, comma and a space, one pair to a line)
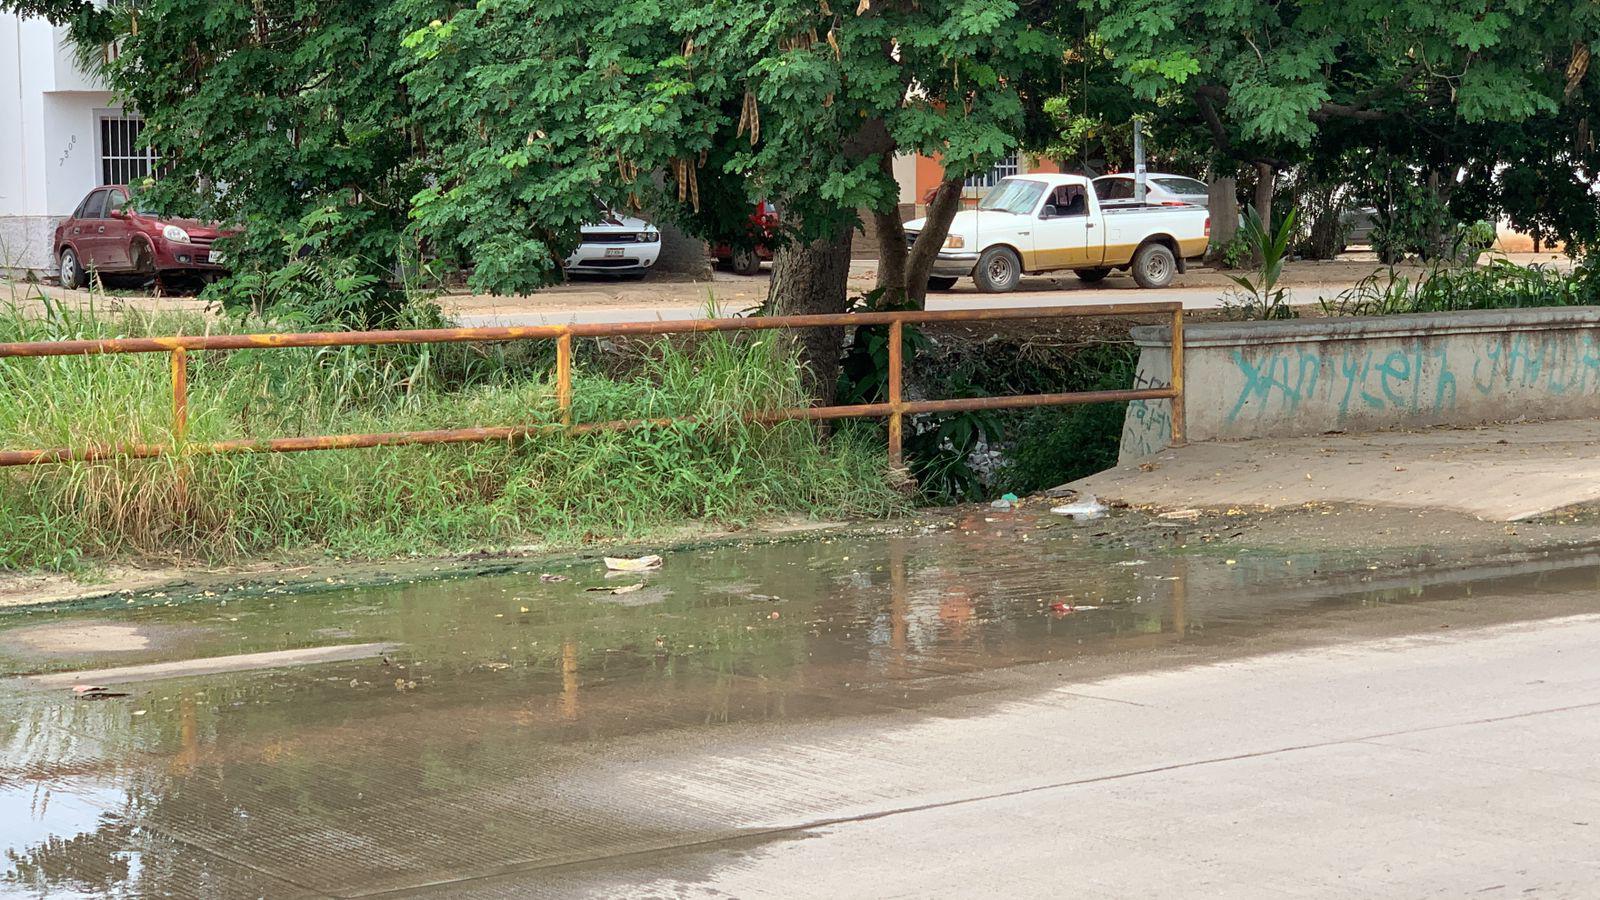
1068, 200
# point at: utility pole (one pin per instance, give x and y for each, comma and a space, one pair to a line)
1138, 160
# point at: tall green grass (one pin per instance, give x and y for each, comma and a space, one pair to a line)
1500, 284
558, 489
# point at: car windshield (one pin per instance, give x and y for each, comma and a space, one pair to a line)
1014, 195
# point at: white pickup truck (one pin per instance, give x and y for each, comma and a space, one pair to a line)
1030, 224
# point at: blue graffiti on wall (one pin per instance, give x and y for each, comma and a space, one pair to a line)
1418, 378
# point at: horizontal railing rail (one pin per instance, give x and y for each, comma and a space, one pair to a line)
895, 409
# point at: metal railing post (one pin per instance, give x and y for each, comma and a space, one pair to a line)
180, 420
896, 402
1179, 420
180, 396
564, 376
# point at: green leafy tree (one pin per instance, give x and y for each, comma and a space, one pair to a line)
532, 108
1427, 80
282, 117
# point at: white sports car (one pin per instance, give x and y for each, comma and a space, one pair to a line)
616, 245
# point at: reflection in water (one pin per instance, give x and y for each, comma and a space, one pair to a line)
359, 774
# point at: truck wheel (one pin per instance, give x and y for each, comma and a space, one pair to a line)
941, 282
746, 262
1154, 266
1090, 276
998, 270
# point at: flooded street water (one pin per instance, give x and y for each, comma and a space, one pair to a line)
359, 739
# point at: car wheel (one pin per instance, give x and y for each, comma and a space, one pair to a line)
999, 270
144, 262
746, 262
71, 270
1090, 276
941, 282
1154, 266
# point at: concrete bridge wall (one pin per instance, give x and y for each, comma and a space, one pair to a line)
1310, 376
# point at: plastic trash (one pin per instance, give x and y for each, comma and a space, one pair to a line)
1084, 509
639, 564
547, 578
1006, 501
1063, 608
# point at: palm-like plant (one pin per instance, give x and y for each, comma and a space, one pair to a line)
1259, 296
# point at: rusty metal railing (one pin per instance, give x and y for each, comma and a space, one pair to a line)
895, 409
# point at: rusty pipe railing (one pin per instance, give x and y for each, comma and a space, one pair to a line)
895, 409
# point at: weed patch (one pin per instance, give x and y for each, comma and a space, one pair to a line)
558, 489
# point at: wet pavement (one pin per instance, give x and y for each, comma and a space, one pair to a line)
500, 734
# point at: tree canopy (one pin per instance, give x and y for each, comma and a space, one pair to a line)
389, 134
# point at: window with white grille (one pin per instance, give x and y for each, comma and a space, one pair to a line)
122, 159
1005, 168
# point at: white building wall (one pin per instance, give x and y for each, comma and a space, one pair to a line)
48, 152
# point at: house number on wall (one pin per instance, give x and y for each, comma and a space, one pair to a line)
67, 153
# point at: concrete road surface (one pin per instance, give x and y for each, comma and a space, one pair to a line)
1440, 765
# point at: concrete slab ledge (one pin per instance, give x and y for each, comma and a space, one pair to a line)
1440, 324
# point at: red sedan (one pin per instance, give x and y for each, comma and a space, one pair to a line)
762, 226
109, 235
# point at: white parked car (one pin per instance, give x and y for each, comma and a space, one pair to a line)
1159, 188
1030, 224
616, 245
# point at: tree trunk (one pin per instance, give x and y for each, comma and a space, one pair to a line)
919, 264
891, 240
903, 271
1222, 199
1266, 180
812, 279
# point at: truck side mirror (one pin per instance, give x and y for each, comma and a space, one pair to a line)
1049, 212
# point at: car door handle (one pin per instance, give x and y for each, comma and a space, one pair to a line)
1088, 224
1024, 232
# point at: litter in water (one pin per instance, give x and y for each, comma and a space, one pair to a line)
640, 564
1083, 510
95, 692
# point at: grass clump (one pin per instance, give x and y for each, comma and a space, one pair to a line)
554, 489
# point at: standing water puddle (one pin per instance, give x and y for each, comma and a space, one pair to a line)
468, 706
